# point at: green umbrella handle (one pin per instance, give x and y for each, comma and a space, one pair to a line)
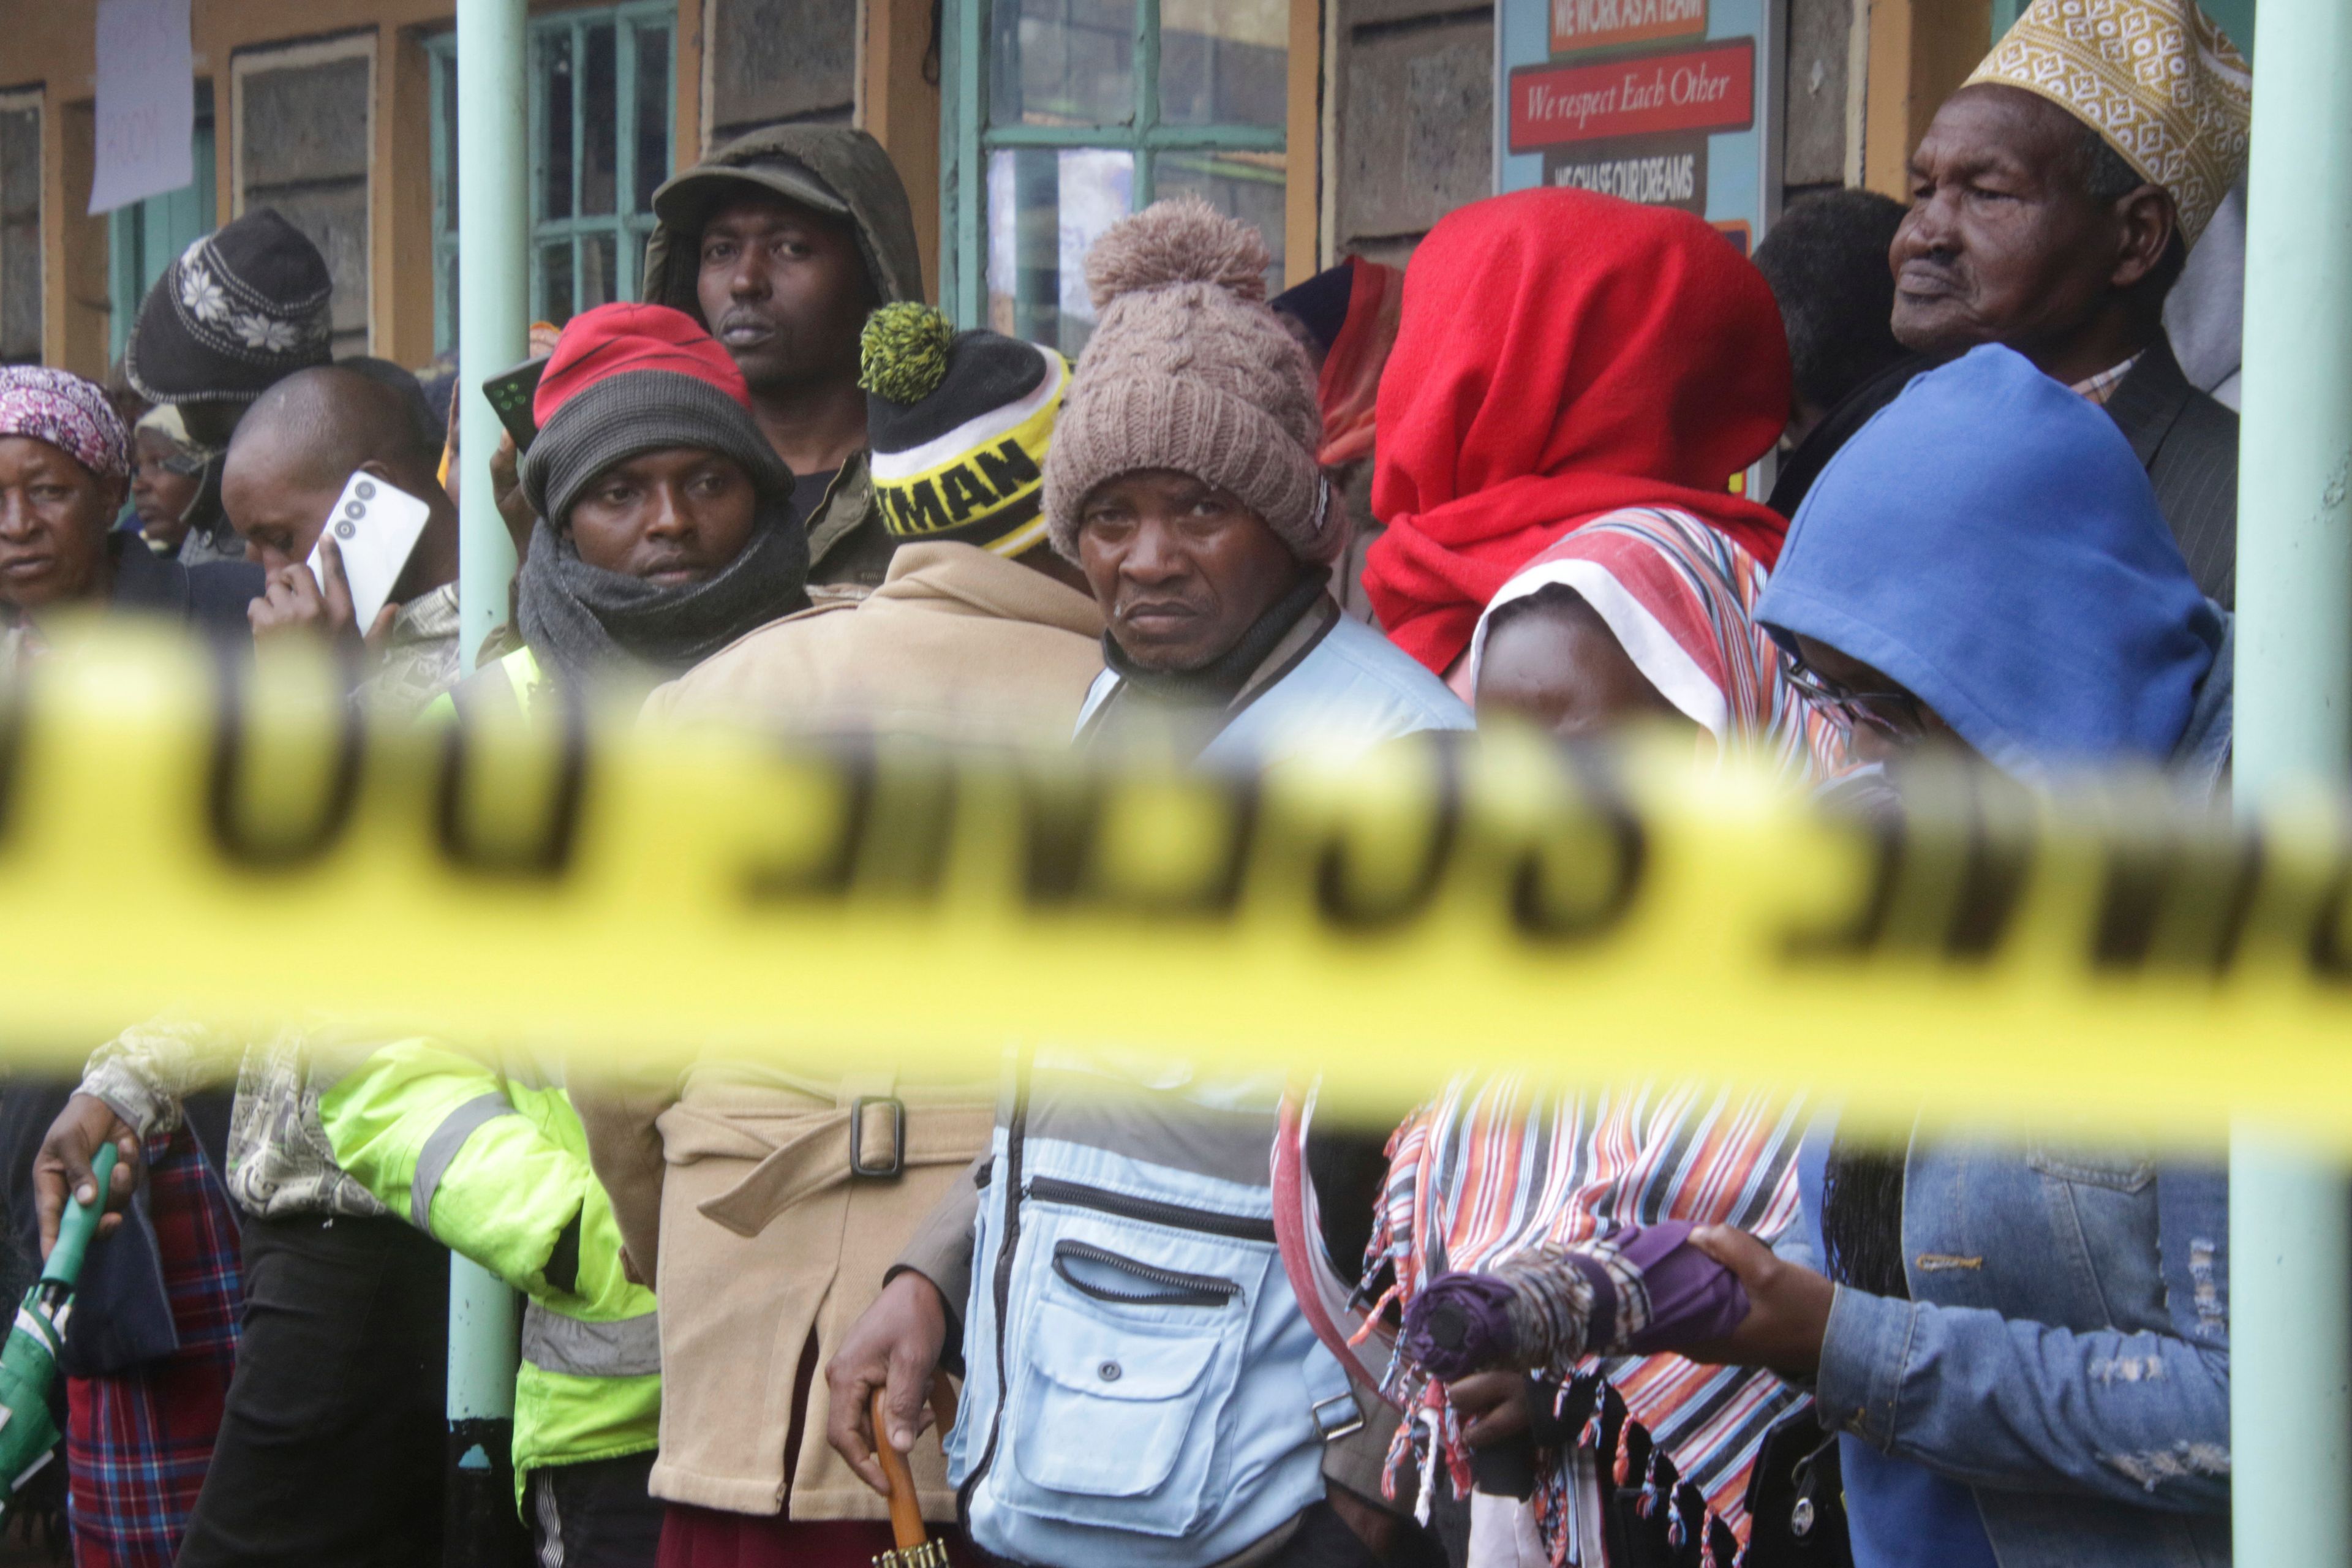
81, 1224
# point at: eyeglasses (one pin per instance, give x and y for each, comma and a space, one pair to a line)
1894, 713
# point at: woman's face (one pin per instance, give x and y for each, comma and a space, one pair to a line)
161, 497
676, 517
53, 514
1556, 663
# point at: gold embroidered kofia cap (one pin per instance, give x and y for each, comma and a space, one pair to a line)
2156, 79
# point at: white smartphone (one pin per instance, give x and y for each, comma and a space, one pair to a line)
375, 525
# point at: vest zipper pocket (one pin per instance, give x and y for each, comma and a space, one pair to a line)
1151, 1211
1000, 1288
1163, 1287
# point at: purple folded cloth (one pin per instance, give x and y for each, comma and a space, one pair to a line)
1639, 1290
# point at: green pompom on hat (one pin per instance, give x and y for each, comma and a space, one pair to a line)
903, 354
958, 425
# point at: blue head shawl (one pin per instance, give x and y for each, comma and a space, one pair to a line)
1989, 542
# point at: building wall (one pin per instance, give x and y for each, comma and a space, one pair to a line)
1820, 141
781, 61
1919, 52
341, 145
1409, 108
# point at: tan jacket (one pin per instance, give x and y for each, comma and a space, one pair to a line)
956, 643
736, 1183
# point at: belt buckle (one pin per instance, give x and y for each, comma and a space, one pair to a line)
1346, 1426
858, 1165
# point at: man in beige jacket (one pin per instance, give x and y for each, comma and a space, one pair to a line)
766, 1204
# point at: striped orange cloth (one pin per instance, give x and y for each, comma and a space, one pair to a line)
1493, 1166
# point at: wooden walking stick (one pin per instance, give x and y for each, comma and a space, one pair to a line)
914, 1549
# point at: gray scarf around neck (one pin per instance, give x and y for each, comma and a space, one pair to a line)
586, 621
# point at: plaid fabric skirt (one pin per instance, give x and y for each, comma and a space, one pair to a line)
137, 1444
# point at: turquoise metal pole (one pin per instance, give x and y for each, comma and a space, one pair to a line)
493, 335
493, 288
2290, 1217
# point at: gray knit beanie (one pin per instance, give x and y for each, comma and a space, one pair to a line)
635, 411
1189, 369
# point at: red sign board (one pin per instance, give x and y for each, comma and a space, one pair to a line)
1710, 88
1601, 24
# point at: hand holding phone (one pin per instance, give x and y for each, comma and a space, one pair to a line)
374, 528
511, 393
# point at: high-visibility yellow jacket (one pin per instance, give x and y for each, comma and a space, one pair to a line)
524, 677
494, 1165
492, 1161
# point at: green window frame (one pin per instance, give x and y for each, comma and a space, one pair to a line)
580, 258
983, 142
142, 238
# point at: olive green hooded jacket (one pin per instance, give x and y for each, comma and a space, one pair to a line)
834, 169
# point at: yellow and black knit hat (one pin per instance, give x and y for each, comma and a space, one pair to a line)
957, 424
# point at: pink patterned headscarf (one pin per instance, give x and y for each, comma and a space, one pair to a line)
68, 412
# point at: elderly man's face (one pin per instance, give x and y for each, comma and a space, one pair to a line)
1181, 568
2003, 243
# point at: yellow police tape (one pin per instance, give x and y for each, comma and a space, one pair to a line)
2096, 963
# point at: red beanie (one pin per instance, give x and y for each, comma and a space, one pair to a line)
613, 340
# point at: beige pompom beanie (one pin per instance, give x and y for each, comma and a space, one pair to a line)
1189, 369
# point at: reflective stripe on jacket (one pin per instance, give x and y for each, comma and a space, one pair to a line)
494, 1165
523, 679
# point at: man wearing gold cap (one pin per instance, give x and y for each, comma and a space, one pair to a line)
2054, 199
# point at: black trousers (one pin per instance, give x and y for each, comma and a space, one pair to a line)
595, 1515
330, 1444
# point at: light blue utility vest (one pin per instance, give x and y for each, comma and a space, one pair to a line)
1141, 1387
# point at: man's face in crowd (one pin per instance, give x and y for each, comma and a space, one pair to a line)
1181, 568
2003, 242
674, 516
278, 505
53, 514
784, 289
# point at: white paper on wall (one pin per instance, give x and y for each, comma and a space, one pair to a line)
146, 101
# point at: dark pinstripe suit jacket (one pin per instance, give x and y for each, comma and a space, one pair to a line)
2189, 444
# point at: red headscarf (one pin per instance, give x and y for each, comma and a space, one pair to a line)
1349, 386
1562, 354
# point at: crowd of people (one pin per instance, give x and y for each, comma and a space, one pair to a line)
1109, 1307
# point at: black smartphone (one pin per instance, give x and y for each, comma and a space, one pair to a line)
510, 393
